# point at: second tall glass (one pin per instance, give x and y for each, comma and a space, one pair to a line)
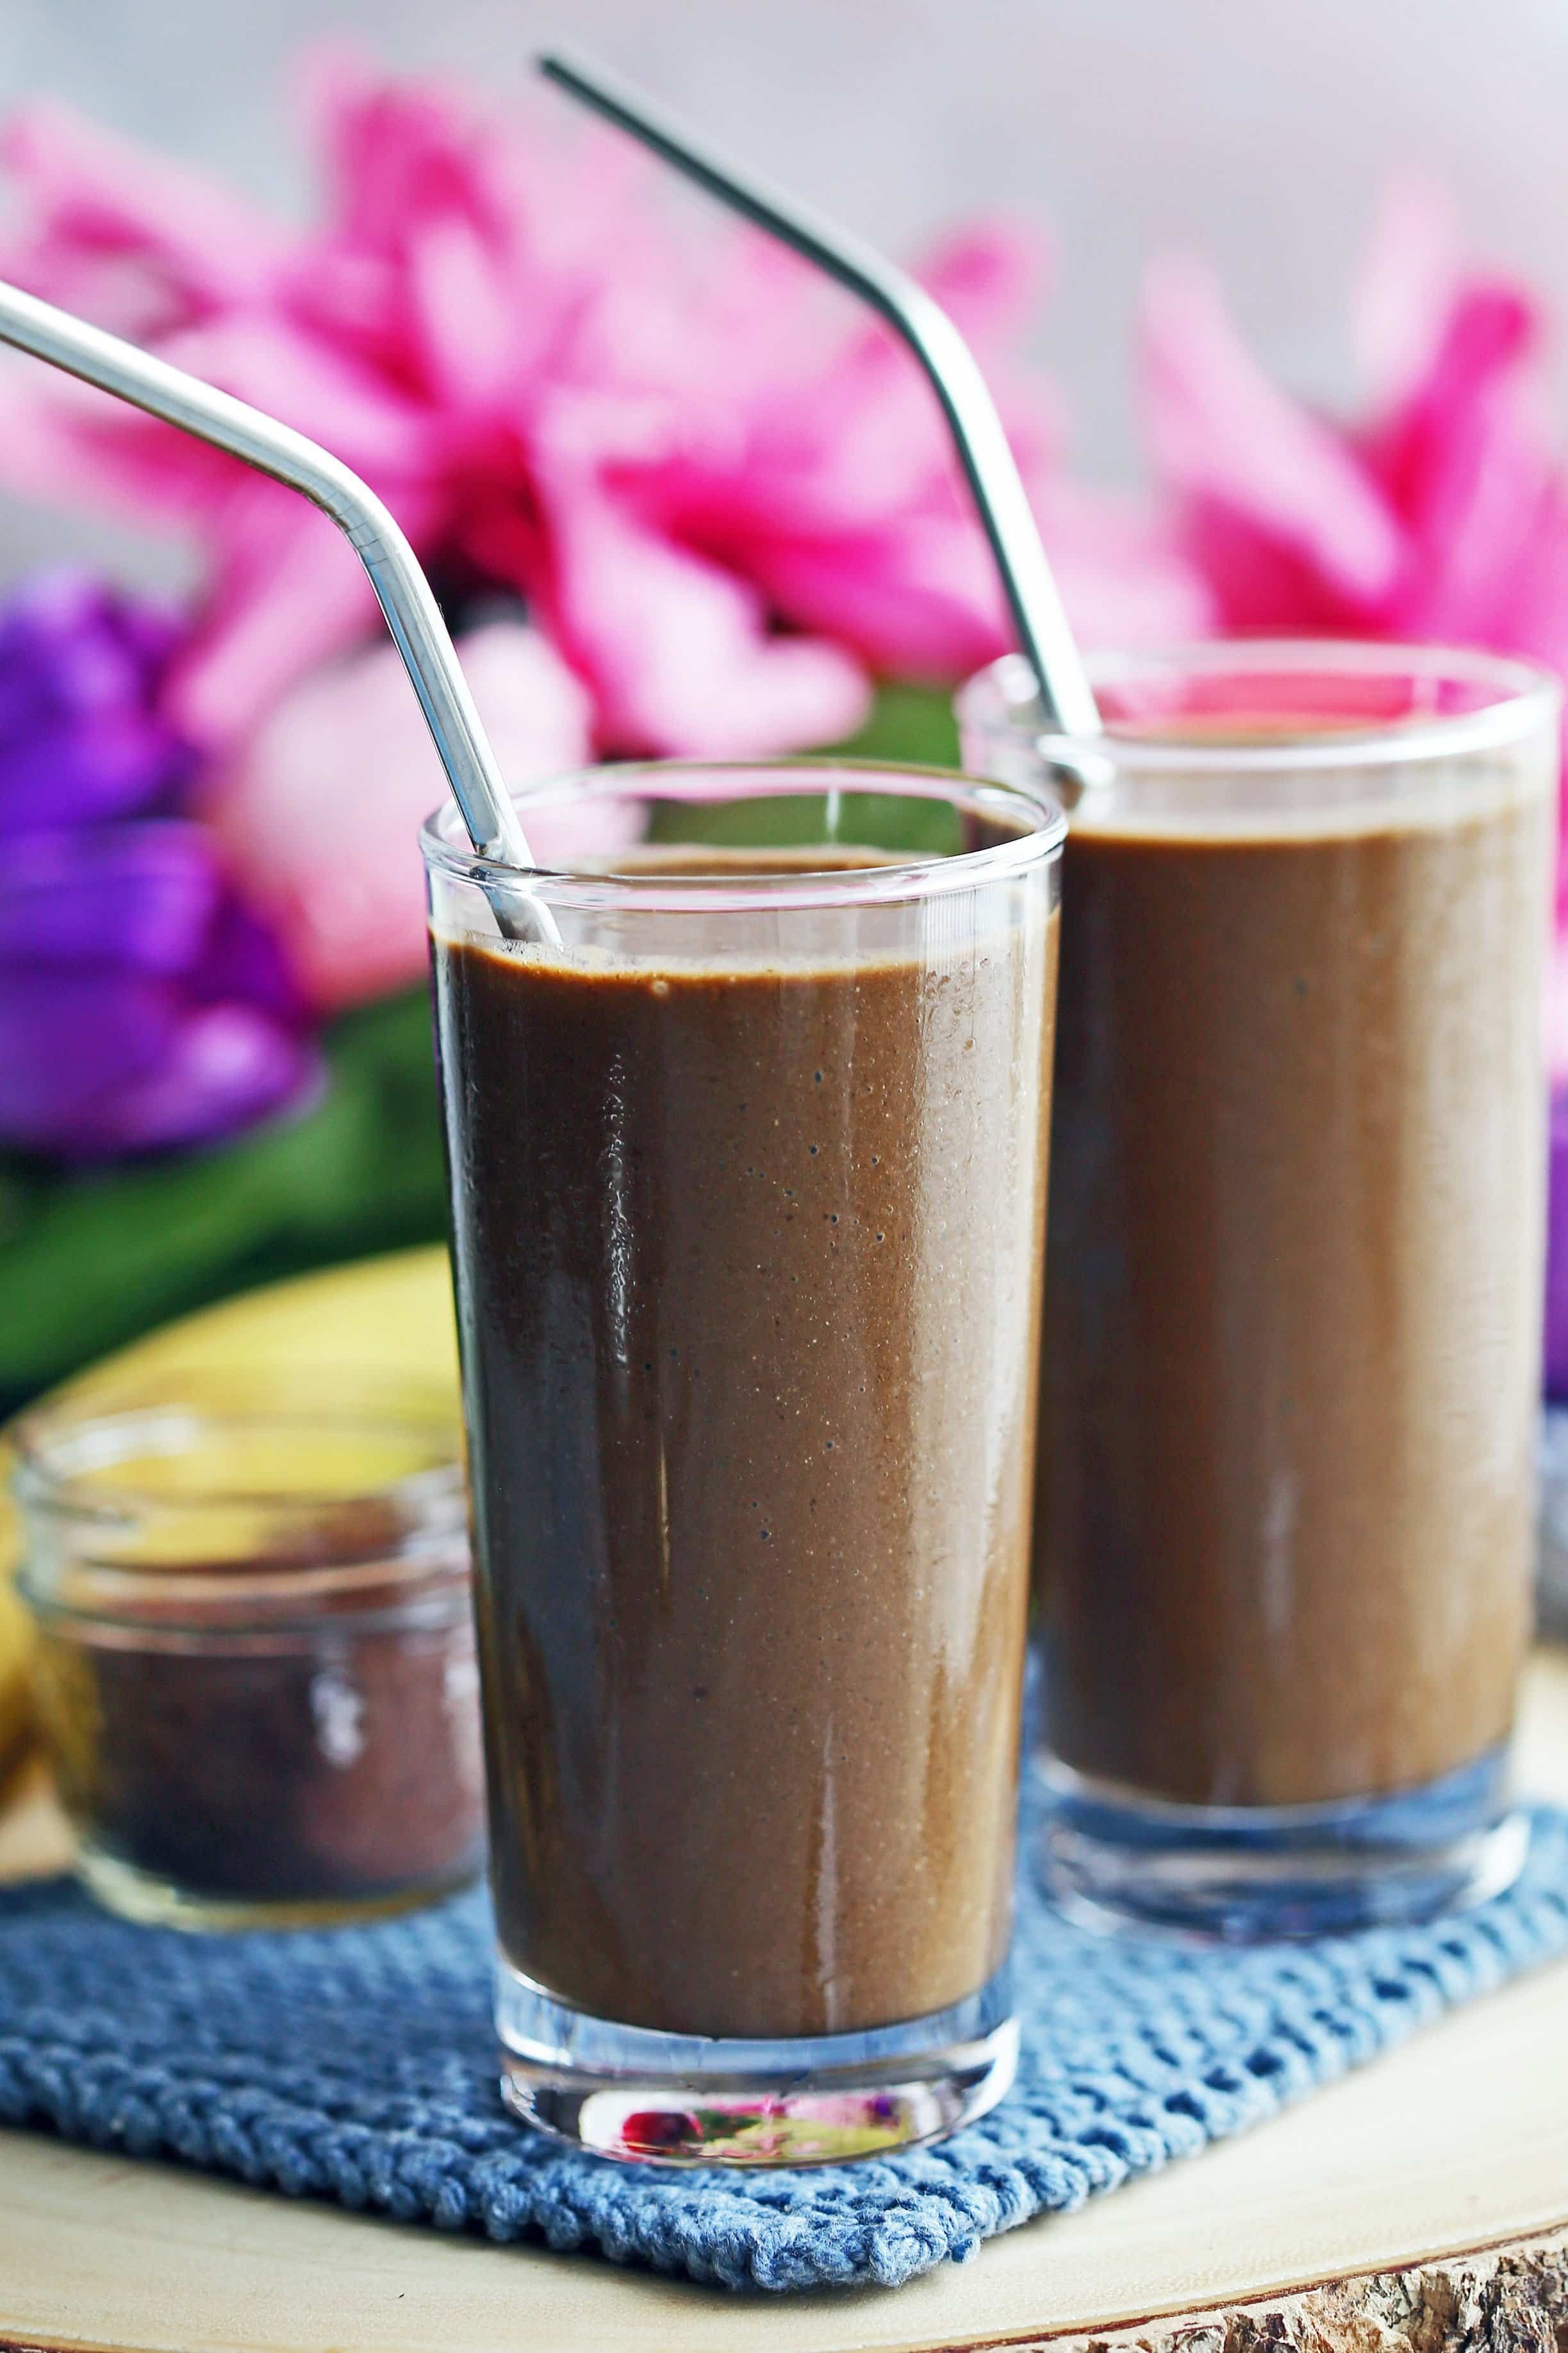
748, 1175
1294, 1280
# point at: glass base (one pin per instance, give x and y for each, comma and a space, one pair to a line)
1112, 1859
156, 1902
629, 2091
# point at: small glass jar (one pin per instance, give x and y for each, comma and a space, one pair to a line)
256, 1665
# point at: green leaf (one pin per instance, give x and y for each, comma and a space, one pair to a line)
88, 1262
910, 726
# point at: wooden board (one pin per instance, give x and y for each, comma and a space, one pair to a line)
1456, 2142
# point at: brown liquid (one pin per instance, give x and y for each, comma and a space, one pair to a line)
748, 1267
1294, 1320
212, 1765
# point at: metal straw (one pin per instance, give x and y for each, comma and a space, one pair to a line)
411, 612
1067, 700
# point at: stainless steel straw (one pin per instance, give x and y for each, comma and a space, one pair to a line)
1066, 701
404, 593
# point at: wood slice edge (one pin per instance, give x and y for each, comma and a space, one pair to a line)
1511, 2298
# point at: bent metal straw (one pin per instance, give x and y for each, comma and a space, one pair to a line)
1067, 700
402, 590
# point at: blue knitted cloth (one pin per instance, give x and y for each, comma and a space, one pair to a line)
358, 2064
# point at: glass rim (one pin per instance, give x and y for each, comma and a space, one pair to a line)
1526, 695
1038, 841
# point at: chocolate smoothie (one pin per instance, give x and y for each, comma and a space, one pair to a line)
748, 1263
1294, 1306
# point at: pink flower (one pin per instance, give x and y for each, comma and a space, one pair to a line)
835, 490
319, 811
724, 496
1442, 514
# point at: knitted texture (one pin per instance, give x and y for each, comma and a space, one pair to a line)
359, 2064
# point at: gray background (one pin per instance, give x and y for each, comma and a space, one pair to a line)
1262, 130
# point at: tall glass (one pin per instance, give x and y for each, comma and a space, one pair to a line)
1294, 1276
748, 1202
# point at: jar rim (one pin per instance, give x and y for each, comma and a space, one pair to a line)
225, 1549
62, 1438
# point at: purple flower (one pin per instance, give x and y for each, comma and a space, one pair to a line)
141, 1004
